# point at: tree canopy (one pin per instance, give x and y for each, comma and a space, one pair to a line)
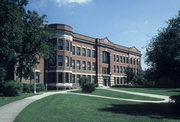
23, 38
163, 52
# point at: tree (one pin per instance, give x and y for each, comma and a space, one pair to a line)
86, 85
23, 39
163, 53
129, 74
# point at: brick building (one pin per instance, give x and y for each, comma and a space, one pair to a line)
78, 55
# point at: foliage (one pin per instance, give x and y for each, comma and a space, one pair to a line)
129, 74
40, 87
138, 80
176, 99
23, 39
27, 88
163, 53
86, 85
12, 88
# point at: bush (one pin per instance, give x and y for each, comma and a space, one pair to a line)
27, 88
86, 85
12, 88
40, 87
176, 99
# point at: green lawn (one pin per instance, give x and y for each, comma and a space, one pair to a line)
160, 91
108, 93
6, 100
74, 108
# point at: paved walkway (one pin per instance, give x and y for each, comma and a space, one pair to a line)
166, 98
9, 112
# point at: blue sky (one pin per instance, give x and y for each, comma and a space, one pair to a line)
125, 22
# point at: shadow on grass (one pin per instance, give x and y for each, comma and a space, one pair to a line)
152, 110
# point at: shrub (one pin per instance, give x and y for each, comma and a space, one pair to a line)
86, 85
176, 99
27, 88
40, 87
12, 88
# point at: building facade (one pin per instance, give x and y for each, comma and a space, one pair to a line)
102, 61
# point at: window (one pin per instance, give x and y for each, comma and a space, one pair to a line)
105, 57
89, 65
73, 50
121, 59
60, 60
94, 66
105, 70
60, 77
73, 78
124, 59
83, 51
78, 77
93, 53
71, 61
137, 62
131, 61
78, 51
117, 69
67, 45
78, 64
114, 68
73, 64
134, 61
53, 61
89, 53
117, 58
94, 78
114, 57
60, 44
83, 65
67, 61
89, 77
127, 60
121, 69
67, 78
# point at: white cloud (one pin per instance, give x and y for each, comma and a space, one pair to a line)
66, 2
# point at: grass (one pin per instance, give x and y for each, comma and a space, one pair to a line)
74, 108
108, 93
159, 91
6, 100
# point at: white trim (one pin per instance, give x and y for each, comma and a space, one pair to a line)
78, 46
37, 70
58, 71
78, 73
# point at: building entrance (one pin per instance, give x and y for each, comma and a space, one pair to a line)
106, 81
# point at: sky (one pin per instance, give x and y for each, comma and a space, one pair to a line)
124, 22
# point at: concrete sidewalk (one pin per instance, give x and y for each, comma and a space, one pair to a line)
115, 98
9, 112
166, 98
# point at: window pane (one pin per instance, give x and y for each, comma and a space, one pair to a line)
60, 60
67, 61
94, 54
67, 45
73, 50
78, 51
60, 44
73, 64
84, 51
89, 53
